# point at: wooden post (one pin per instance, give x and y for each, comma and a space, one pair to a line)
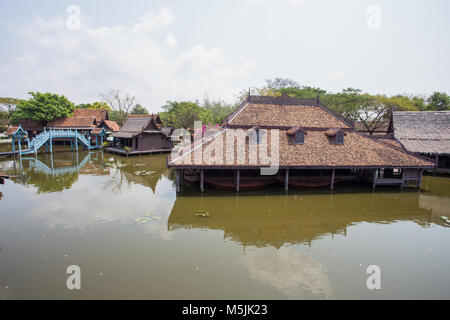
177, 179
76, 140
238, 179
13, 145
20, 147
374, 178
51, 141
332, 180
436, 160
286, 180
201, 180
403, 179
101, 140
420, 179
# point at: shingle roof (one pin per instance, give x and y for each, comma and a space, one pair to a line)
30, 125
112, 125
73, 122
318, 152
286, 116
424, 131
133, 126
99, 114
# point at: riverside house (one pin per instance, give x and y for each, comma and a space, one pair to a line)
424, 133
141, 134
311, 146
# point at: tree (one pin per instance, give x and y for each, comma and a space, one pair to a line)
438, 101
183, 114
219, 109
138, 109
98, 105
7, 107
43, 107
121, 104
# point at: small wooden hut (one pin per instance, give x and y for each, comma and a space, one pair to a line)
141, 134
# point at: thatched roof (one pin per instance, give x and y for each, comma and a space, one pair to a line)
423, 132
137, 124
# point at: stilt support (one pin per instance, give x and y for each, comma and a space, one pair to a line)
238, 179
286, 180
202, 178
332, 180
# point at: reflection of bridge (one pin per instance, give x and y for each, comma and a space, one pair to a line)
47, 136
42, 167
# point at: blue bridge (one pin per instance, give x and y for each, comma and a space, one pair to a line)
47, 136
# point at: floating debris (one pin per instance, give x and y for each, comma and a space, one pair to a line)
148, 217
201, 213
446, 219
144, 173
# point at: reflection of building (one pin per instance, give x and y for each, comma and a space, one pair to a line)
279, 220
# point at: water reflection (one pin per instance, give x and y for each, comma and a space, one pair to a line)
278, 220
116, 214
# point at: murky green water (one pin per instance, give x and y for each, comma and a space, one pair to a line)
121, 221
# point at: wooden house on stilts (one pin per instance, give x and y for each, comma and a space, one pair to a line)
314, 147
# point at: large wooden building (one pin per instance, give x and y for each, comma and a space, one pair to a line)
141, 134
315, 148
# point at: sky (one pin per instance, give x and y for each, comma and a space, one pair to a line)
186, 50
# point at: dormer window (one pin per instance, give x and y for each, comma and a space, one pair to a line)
339, 138
297, 135
336, 135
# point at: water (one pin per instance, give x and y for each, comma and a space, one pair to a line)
135, 238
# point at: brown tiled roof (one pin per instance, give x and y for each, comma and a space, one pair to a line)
286, 116
73, 122
318, 152
112, 125
99, 114
11, 130
334, 131
294, 130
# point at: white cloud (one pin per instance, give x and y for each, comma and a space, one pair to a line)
143, 58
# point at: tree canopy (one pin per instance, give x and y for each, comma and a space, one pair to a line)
138, 109
183, 114
43, 107
99, 105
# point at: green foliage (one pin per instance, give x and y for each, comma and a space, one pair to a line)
183, 114
7, 107
438, 101
138, 109
99, 105
105, 144
117, 116
219, 109
43, 107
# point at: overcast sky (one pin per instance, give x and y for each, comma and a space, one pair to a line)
182, 50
